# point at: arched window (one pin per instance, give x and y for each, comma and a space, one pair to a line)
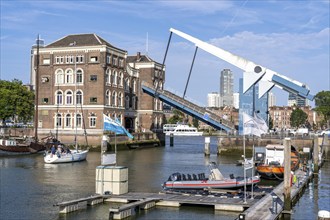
79, 77
133, 102
69, 76
134, 86
121, 78
114, 98
107, 97
120, 99
68, 120
127, 102
68, 98
59, 76
58, 121
79, 97
79, 121
59, 98
127, 84
115, 78
108, 76
92, 120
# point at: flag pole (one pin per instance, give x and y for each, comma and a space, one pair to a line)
244, 168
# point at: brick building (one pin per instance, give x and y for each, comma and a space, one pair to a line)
82, 77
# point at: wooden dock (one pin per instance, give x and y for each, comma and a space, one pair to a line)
271, 205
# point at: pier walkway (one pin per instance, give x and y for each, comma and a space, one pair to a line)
264, 208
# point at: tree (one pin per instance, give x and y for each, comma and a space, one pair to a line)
322, 106
16, 101
298, 118
195, 122
178, 116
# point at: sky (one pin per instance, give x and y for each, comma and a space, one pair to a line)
288, 37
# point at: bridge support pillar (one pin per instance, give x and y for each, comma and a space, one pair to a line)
207, 146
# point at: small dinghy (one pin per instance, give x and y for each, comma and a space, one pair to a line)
214, 181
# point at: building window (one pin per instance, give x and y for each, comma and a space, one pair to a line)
59, 98
121, 62
69, 59
79, 97
79, 76
133, 102
93, 78
68, 98
59, 76
115, 78
108, 77
126, 84
80, 59
69, 76
44, 100
93, 99
121, 78
114, 98
114, 61
78, 121
109, 59
59, 59
120, 99
94, 59
134, 86
46, 61
92, 120
127, 102
68, 121
58, 121
107, 97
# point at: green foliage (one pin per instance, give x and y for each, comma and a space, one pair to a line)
271, 123
16, 101
178, 116
195, 123
322, 105
298, 118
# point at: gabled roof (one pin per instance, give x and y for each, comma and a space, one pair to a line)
79, 40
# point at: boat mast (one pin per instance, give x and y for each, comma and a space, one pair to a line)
75, 75
36, 93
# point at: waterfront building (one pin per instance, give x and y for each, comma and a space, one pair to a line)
226, 87
213, 100
281, 116
250, 102
82, 77
149, 109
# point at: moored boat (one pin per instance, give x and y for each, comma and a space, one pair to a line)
11, 145
215, 180
66, 156
273, 165
182, 130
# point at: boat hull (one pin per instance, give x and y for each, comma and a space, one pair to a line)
15, 149
74, 156
214, 184
184, 133
270, 172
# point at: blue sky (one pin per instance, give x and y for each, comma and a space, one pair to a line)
288, 37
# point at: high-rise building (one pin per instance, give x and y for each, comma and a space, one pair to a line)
226, 87
236, 100
294, 99
260, 106
271, 99
213, 99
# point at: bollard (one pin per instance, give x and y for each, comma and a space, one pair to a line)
274, 205
171, 139
207, 146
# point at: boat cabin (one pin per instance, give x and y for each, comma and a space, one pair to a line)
274, 154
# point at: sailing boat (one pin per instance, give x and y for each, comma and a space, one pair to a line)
62, 155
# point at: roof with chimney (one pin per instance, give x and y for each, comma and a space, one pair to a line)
80, 40
139, 58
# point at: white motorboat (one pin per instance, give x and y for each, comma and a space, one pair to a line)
183, 130
214, 181
65, 157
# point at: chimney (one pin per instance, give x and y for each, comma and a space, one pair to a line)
138, 56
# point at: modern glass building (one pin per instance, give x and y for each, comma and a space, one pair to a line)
246, 101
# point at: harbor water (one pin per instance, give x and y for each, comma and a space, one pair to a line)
30, 188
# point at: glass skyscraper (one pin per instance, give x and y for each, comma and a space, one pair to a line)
246, 104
